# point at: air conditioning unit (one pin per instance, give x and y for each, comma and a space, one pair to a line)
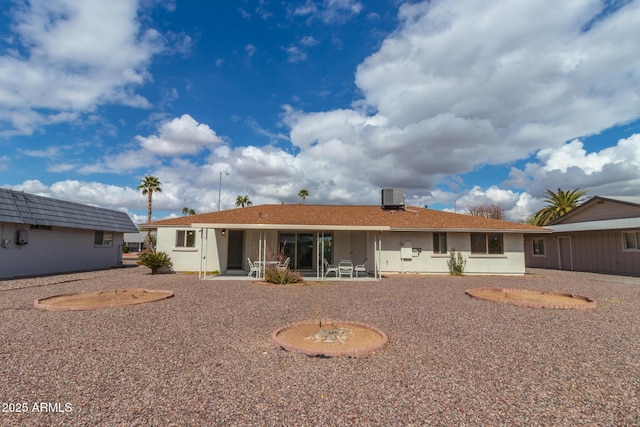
392, 198
22, 237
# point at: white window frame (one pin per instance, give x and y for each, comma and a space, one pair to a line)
636, 238
544, 246
487, 238
103, 238
439, 240
182, 239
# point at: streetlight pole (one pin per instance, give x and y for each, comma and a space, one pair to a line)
220, 188
454, 202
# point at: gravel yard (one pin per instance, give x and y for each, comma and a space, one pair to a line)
205, 356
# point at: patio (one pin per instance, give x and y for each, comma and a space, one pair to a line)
205, 357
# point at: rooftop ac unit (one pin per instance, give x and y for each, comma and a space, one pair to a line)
392, 198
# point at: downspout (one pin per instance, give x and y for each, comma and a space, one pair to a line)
379, 269
201, 254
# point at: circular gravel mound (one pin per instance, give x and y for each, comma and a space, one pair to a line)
330, 338
529, 298
101, 299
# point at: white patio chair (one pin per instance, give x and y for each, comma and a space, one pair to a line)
329, 268
360, 268
254, 267
286, 262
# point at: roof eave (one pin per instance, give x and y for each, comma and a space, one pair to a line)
476, 230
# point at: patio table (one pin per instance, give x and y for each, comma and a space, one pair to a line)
345, 267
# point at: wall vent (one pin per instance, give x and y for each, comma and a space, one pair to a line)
392, 198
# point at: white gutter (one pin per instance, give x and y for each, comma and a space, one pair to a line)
288, 227
475, 230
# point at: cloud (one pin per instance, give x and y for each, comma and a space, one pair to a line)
457, 86
250, 49
180, 136
461, 85
67, 58
294, 54
330, 11
308, 41
612, 171
90, 193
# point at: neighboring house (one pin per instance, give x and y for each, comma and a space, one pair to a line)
135, 241
411, 240
602, 235
40, 235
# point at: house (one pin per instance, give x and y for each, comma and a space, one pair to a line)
40, 235
390, 239
602, 235
135, 241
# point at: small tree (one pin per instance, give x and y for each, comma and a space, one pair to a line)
456, 263
154, 260
493, 211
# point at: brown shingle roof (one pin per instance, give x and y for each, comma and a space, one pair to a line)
352, 217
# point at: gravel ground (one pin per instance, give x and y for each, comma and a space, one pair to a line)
205, 357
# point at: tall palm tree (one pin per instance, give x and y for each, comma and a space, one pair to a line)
243, 201
149, 185
187, 211
303, 193
558, 204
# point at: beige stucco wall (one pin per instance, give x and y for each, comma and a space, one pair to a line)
423, 260
356, 246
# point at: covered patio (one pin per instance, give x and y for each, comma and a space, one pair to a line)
336, 254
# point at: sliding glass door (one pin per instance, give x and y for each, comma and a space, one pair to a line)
298, 247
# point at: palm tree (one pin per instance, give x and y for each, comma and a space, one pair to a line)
149, 185
243, 201
303, 193
558, 204
187, 211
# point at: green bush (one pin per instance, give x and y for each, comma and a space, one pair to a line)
154, 260
125, 249
281, 276
456, 263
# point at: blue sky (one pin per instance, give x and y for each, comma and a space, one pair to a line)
450, 100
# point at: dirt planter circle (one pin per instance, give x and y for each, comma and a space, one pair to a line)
530, 298
353, 339
101, 299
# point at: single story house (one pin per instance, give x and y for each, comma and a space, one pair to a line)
602, 235
387, 240
136, 242
41, 235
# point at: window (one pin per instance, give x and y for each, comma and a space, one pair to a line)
487, 243
103, 238
186, 239
631, 240
538, 247
439, 243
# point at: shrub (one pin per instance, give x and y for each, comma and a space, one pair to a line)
125, 249
456, 263
281, 276
154, 260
